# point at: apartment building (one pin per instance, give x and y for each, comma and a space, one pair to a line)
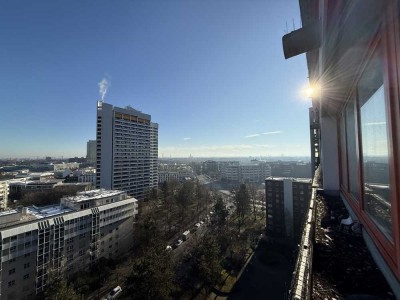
86, 175
287, 202
91, 151
353, 59
22, 186
127, 150
167, 176
246, 173
153, 155
63, 239
4, 190
65, 166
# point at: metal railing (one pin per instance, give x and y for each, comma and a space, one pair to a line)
301, 285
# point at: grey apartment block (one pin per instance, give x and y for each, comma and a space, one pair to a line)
127, 150
62, 239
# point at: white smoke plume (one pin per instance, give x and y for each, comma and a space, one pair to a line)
103, 87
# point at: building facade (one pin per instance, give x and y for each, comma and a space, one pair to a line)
86, 175
246, 173
62, 239
287, 202
91, 151
4, 190
127, 150
353, 58
168, 176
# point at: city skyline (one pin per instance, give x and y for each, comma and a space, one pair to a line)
212, 74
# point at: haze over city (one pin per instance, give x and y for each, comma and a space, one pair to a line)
211, 73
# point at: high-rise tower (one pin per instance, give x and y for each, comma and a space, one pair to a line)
127, 150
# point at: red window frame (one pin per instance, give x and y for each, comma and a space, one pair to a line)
388, 39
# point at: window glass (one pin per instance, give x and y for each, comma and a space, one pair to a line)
352, 150
374, 136
343, 155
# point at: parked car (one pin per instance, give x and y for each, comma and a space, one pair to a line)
114, 293
168, 248
178, 243
197, 225
185, 235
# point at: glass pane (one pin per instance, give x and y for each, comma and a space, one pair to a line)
343, 151
352, 150
373, 120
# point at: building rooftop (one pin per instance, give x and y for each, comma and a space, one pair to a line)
34, 182
93, 194
8, 212
48, 211
305, 180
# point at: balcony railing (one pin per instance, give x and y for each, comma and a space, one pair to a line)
301, 285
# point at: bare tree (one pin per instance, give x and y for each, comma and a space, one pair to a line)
242, 201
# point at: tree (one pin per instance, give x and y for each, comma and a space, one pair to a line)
165, 189
146, 231
221, 212
59, 289
253, 196
152, 275
242, 201
184, 197
261, 198
208, 262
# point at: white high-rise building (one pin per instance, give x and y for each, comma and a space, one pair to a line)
127, 150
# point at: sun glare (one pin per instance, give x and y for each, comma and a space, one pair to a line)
310, 91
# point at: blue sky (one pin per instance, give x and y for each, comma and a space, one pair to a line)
211, 73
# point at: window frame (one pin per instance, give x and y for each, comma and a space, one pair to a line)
388, 38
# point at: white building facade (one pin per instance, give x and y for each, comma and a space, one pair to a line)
4, 190
63, 239
247, 173
127, 150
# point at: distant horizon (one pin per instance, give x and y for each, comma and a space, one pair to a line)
292, 157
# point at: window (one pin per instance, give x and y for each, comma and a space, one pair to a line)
343, 154
26, 265
26, 276
374, 140
352, 149
11, 283
11, 271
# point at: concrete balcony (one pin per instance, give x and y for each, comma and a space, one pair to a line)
333, 261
